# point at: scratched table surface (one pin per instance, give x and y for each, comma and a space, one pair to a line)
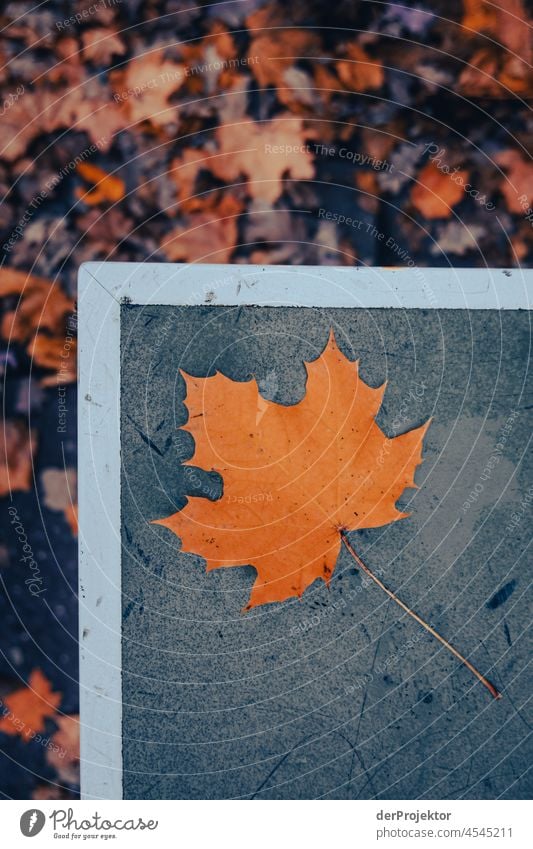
339, 694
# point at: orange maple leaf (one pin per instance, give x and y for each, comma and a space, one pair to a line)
293, 477
24, 712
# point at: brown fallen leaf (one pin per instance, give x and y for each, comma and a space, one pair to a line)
367, 182
358, 71
272, 56
263, 153
144, 86
296, 479
26, 710
211, 64
51, 791
60, 493
107, 187
209, 236
436, 193
68, 70
88, 107
100, 45
17, 449
522, 243
184, 170
107, 227
64, 758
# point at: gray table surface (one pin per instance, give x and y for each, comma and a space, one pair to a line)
339, 694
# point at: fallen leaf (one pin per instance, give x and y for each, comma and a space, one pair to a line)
435, 193
209, 236
49, 352
42, 305
88, 107
101, 44
25, 710
367, 182
517, 189
293, 479
44, 320
456, 237
107, 187
60, 493
358, 71
211, 64
17, 449
263, 153
144, 86
504, 61
65, 757
272, 56
108, 227
51, 791
522, 243
184, 171
478, 16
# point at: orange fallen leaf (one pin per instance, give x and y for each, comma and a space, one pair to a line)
517, 189
42, 306
107, 187
436, 193
25, 710
263, 153
294, 478
478, 16
43, 320
17, 449
504, 62
46, 352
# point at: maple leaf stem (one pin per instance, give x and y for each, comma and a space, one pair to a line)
486, 683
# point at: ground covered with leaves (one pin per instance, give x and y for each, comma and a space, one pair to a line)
355, 133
